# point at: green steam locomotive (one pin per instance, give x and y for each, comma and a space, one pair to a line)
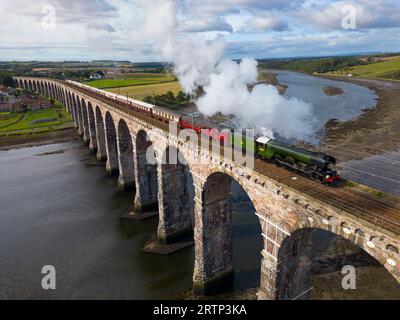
315, 165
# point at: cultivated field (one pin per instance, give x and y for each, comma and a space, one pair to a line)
387, 69
139, 92
132, 80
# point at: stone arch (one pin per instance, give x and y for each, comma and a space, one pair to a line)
101, 136
79, 114
112, 166
85, 121
145, 174
26, 86
53, 91
72, 106
42, 91
126, 180
175, 187
16, 83
65, 100
92, 128
30, 85
34, 86
298, 253
46, 89
214, 234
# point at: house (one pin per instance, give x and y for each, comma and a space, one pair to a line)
96, 76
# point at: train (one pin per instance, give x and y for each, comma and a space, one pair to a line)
154, 111
315, 165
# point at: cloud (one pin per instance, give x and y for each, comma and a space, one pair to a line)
207, 24
368, 14
101, 27
292, 27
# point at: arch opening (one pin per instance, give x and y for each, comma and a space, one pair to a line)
126, 180
318, 264
146, 198
228, 229
100, 134
92, 129
85, 122
112, 166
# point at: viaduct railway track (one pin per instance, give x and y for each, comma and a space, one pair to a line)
363, 206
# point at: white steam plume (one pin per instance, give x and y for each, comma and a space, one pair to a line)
198, 62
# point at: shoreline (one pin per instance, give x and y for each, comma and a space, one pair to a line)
270, 77
39, 139
374, 132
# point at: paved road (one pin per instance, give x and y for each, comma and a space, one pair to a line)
379, 172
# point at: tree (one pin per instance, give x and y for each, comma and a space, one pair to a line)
8, 81
148, 99
170, 96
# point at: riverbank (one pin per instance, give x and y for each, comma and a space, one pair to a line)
374, 132
269, 77
38, 139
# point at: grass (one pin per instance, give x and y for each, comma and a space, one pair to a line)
12, 118
132, 80
22, 123
388, 69
139, 92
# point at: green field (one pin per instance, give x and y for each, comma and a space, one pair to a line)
388, 69
139, 92
132, 80
35, 121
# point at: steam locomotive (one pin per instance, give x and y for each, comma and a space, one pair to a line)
315, 165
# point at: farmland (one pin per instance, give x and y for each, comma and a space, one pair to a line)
137, 79
386, 69
139, 92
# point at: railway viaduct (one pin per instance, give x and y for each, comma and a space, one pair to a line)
193, 197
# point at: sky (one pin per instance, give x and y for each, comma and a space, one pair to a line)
59, 30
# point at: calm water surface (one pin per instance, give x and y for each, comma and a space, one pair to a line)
62, 210
342, 107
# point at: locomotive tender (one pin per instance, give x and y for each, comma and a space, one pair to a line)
315, 165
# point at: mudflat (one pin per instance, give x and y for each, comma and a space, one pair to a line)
374, 132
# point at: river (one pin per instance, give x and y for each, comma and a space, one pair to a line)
342, 107
58, 207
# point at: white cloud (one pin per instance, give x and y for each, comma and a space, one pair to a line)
294, 26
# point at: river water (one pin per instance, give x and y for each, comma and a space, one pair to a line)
58, 207
342, 107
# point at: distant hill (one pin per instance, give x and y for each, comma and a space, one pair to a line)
382, 65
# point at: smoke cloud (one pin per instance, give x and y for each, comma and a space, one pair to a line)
199, 63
